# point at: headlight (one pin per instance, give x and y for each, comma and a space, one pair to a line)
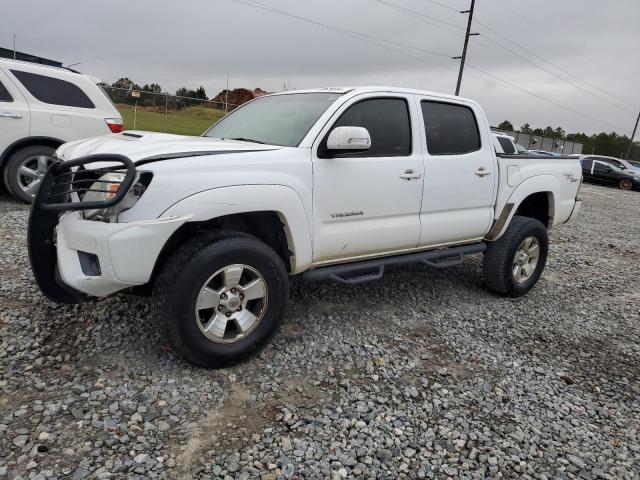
106, 187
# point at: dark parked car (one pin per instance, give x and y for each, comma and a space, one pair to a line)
597, 171
635, 163
616, 162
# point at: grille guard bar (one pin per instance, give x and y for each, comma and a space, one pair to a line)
60, 182
44, 216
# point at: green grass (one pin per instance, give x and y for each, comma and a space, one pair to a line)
190, 121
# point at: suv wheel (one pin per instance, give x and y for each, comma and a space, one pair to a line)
25, 169
220, 298
513, 263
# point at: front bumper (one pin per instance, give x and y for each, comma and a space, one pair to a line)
124, 253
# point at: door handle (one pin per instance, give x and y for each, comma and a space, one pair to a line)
482, 172
410, 175
15, 116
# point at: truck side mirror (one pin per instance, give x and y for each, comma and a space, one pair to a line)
349, 138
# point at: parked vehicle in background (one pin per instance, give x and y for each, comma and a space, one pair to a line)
326, 183
504, 143
544, 152
616, 162
605, 173
42, 107
635, 163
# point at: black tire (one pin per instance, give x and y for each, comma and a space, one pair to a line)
13, 164
500, 255
178, 284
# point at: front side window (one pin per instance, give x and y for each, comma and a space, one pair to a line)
276, 120
5, 96
601, 167
451, 129
388, 123
53, 90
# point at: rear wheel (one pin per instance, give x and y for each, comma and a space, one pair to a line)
625, 184
513, 263
25, 170
220, 298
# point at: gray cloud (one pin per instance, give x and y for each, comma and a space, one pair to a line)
198, 42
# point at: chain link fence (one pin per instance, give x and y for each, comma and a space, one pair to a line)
163, 112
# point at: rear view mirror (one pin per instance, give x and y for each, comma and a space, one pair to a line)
349, 138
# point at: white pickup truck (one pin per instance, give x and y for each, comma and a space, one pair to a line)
326, 183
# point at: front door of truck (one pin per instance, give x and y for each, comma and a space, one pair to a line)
369, 202
461, 173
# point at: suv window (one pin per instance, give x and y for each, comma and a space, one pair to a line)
451, 129
506, 144
5, 96
53, 90
388, 123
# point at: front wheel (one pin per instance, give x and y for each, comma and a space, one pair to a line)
220, 298
513, 263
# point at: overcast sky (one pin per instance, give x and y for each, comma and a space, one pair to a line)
197, 42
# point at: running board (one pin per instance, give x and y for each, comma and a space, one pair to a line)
368, 270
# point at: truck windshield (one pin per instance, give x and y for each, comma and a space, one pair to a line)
276, 120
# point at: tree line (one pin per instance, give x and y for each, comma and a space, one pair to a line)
122, 88
603, 143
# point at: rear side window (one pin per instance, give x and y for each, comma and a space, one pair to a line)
388, 123
506, 144
53, 90
4, 94
586, 163
451, 129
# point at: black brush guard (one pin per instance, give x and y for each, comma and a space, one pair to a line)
62, 189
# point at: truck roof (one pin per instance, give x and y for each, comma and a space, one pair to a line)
378, 88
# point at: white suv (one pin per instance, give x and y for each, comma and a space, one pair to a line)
41, 108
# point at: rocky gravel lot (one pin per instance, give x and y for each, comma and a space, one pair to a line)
423, 374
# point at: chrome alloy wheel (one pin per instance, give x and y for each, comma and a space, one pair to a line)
526, 259
231, 303
31, 172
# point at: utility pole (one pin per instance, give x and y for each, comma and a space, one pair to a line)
14, 46
226, 96
632, 137
466, 42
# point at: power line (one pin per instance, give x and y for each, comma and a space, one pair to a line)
363, 37
552, 73
345, 31
419, 15
553, 64
529, 92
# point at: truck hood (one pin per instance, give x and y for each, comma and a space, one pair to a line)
139, 145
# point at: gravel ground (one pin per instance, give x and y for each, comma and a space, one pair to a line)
423, 374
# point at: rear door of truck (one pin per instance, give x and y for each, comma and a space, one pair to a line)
461, 172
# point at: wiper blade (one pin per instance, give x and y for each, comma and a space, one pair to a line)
241, 139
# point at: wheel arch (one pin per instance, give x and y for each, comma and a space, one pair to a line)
274, 214
536, 198
28, 142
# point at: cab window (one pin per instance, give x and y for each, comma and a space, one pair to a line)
388, 123
5, 96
